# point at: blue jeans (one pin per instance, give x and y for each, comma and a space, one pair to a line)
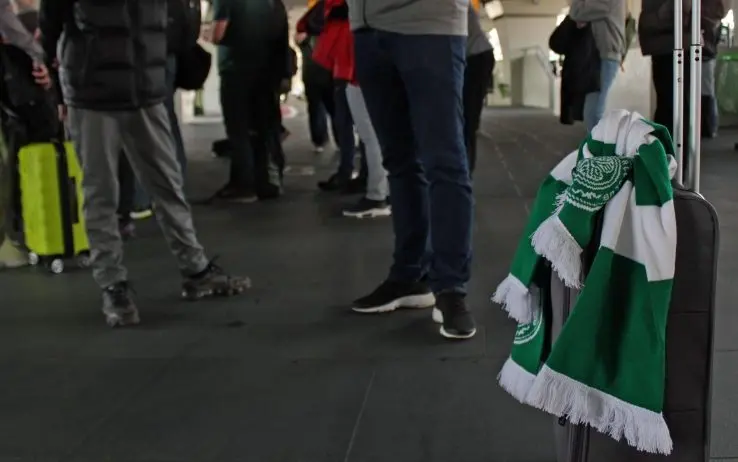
412, 85
595, 103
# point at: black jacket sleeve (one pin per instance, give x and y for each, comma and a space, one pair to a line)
51, 18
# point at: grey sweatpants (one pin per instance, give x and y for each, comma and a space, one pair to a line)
145, 136
377, 188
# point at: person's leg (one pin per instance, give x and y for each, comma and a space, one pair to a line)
317, 115
477, 76
329, 102
377, 189
149, 145
432, 70
169, 102
98, 142
234, 100
346, 142
268, 159
127, 182
608, 72
595, 103
386, 100
662, 72
709, 102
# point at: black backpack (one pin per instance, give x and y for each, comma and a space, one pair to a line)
22, 100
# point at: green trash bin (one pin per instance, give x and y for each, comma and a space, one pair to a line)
726, 82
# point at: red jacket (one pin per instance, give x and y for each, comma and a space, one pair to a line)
335, 47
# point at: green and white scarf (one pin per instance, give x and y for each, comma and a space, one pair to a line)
607, 367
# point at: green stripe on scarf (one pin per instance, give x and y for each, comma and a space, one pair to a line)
606, 369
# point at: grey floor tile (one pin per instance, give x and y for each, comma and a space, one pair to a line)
50, 407
725, 405
188, 414
307, 413
436, 411
397, 335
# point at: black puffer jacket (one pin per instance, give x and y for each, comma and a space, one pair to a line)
112, 53
656, 26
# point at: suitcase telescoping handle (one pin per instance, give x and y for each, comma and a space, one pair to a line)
689, 177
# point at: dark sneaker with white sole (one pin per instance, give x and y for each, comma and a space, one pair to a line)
391, 295
455, 318
118, 307
213, 282
367, 208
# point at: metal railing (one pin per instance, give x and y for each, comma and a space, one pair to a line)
543, 60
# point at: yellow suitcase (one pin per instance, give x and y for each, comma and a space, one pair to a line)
51, 203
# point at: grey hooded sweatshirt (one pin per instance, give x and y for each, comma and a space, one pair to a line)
14, 33
607, 18
411, 17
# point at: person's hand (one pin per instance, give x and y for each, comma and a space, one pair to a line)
300, 37
62, 112
581, 25
41, 75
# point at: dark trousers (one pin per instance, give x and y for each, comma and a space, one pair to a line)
477, 77
127, 184
320, 109
251, 116
662, 73
344, 126
412, 85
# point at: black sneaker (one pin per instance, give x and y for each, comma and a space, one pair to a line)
118, 308
335, 183
455, 318
355, 186
367, 208
229, 193
390, 296
213, 282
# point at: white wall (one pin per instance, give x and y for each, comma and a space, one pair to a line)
632, 88
519, 38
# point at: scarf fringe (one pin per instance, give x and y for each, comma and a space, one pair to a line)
515, 380
554, 242
560, 395
515, 299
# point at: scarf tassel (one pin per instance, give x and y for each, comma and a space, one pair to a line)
554, 242
562, 396
516, 299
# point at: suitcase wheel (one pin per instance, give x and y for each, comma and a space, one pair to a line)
56, 266
33, 259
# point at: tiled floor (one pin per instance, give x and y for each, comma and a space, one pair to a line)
285, 374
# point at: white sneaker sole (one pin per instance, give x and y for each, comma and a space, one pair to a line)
437, 316
438, 319
411, 301
372, 213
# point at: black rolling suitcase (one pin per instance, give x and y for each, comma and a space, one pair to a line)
689, 336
